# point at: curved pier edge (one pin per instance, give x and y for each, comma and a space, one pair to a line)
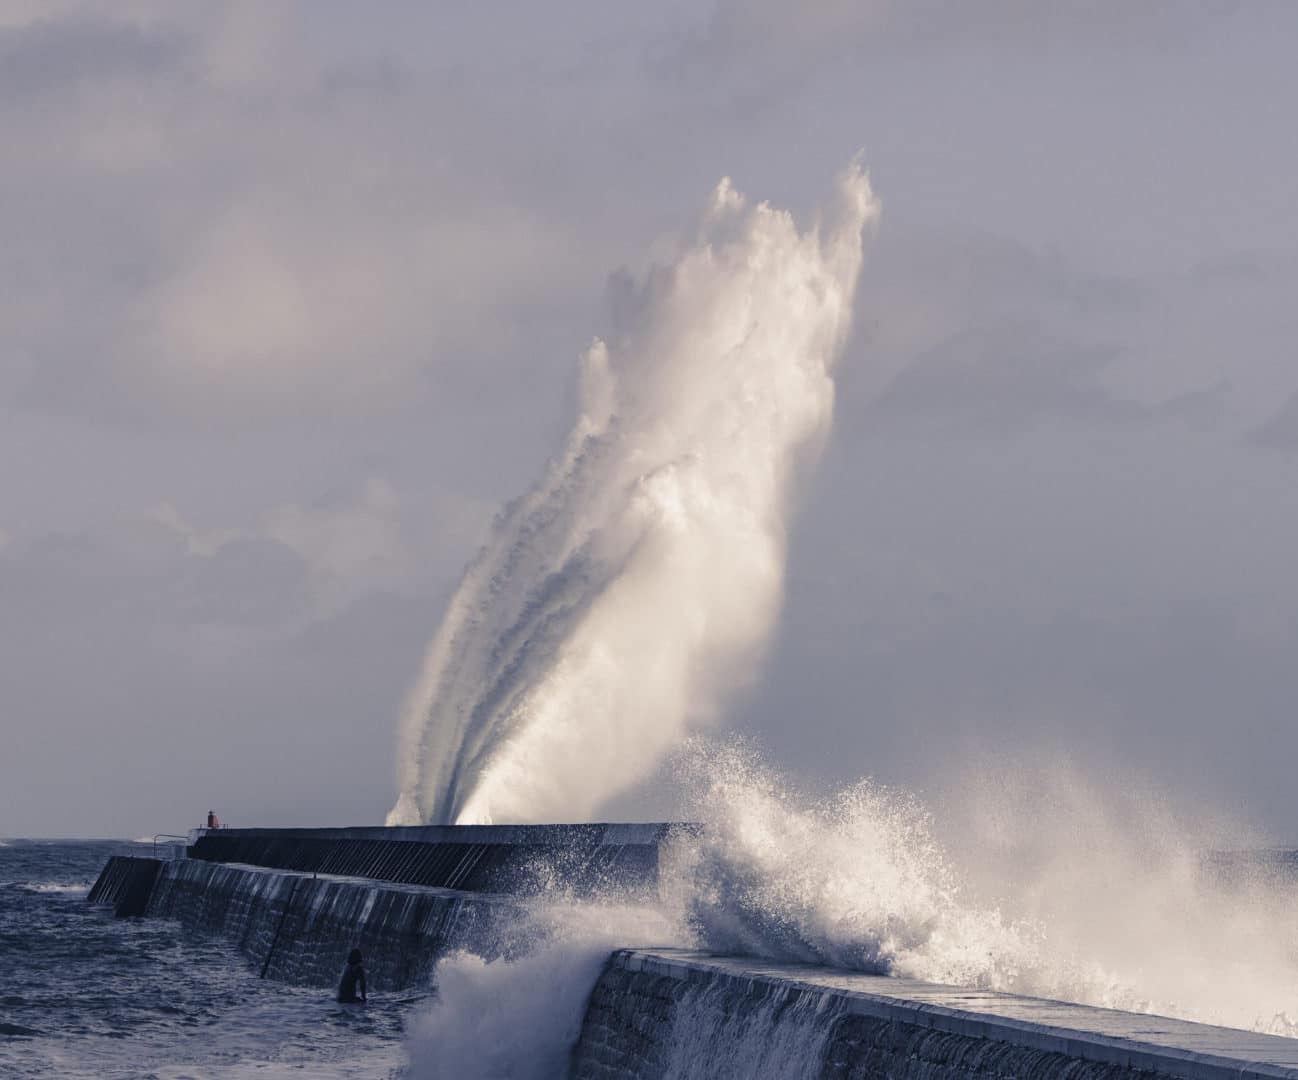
654, 1010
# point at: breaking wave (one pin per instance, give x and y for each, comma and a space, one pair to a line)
862, 881
618, 601
54, 887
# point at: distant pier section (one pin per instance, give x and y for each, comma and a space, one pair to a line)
584, 859
296, 901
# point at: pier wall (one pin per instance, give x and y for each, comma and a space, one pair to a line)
299, 928
125, 884
516, 859
296, 901
664, 1014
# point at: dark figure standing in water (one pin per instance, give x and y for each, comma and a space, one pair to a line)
351, 988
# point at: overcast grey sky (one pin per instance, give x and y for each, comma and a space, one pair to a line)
291, 299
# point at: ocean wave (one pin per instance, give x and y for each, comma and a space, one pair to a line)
520, 1017
59, 887
1105, 913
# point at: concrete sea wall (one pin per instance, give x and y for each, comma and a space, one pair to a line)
664, 1014
299, 928
126, 883
296, 901
517, 859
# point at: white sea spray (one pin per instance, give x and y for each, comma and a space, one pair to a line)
618, 602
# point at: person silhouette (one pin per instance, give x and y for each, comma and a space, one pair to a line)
353, 978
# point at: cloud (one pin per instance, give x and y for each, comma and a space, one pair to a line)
1280, 431
1248, 267
197, 658
1205, 408
764, 42
212, 594
54, 57
207, 226
180, 677
244, 583
978, 334
1003, 378
355, 541
291, 296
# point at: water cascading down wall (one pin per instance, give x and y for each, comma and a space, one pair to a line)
659, 1014
295, 901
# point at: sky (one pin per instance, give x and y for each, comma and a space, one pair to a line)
292, 299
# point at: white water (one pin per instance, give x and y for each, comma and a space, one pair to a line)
520, 1019
620, 600
617, 603
54, 887
778, 1038
858, 881
1113, 912
1098, 902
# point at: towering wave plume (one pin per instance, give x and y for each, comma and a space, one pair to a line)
617, 602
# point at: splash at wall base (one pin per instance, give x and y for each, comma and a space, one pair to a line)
652, 1014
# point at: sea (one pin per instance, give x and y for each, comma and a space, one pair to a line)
83, 994
857, 885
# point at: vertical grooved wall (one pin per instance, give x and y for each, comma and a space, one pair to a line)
300, 929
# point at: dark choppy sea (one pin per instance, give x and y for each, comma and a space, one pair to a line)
83, 994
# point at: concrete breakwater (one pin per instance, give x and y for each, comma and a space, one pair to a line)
281, 897
295, 901
125, 884
660, 1014
517, 859
299, 928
